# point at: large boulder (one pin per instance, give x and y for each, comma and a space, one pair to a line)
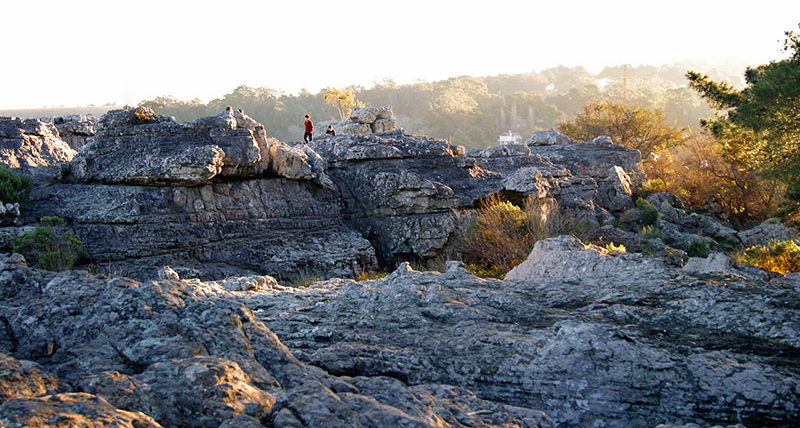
31, 143
74, 410
75, 130
566, 258
23, 379
548, 138
770, 230
135, 146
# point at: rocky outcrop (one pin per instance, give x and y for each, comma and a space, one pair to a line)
31, 143
75, 130
362, 121
548, 138
682, 229
208, 198
400, 190
270, 226
626, 342
138, 147
9, 214
769, 230
189, 353
594, 158
74, 409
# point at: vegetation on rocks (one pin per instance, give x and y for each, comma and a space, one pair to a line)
499, 235
698, 249
13, 187
647, 212
777, 256
49, 246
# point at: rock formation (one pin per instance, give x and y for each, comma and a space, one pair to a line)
575, 336
619, 340
206, 197
362, 121
31, 143
115, 352
400, 190
75, 130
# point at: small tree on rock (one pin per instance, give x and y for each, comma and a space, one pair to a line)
343, 100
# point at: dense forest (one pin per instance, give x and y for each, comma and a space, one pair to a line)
472, 111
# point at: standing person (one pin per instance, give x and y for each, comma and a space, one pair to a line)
309, 135
330, 130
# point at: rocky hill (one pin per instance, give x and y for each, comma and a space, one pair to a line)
575, 336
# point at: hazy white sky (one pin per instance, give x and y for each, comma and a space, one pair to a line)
80, 52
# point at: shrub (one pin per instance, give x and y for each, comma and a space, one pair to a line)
619, 248
652, 232
370, 275
499, 235
778, 256
143, 115
13, 187
648, 213
49, 246
698, 249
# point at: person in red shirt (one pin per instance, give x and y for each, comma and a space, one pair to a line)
309, 135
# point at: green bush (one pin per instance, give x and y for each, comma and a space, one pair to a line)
49, 246
13, 187
778, 256
648, 213
698, 249
652, 232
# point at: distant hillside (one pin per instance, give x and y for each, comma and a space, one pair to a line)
58, 111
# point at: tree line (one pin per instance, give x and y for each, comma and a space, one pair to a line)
469, 111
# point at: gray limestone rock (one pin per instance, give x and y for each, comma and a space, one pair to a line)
23, 379
188, 353
73, 409
30, 143
548, 138
75, 130
770, 230
615, 192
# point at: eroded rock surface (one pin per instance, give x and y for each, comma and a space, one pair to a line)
75, 130
400, 190
189, 353
31, 143
601, 346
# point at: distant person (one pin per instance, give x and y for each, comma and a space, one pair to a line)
228, 108
309, 135
330, 131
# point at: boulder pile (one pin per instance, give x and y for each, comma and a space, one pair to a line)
362, 121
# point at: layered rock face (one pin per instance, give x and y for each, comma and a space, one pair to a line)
207, 197
185, 353
31, 143
400, 191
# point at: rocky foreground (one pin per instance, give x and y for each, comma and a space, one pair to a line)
574, 337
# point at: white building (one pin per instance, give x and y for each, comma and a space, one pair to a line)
509, 138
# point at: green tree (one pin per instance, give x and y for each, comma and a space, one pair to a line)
760, 124
50, 246
632, 126
13, 187
343, 101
